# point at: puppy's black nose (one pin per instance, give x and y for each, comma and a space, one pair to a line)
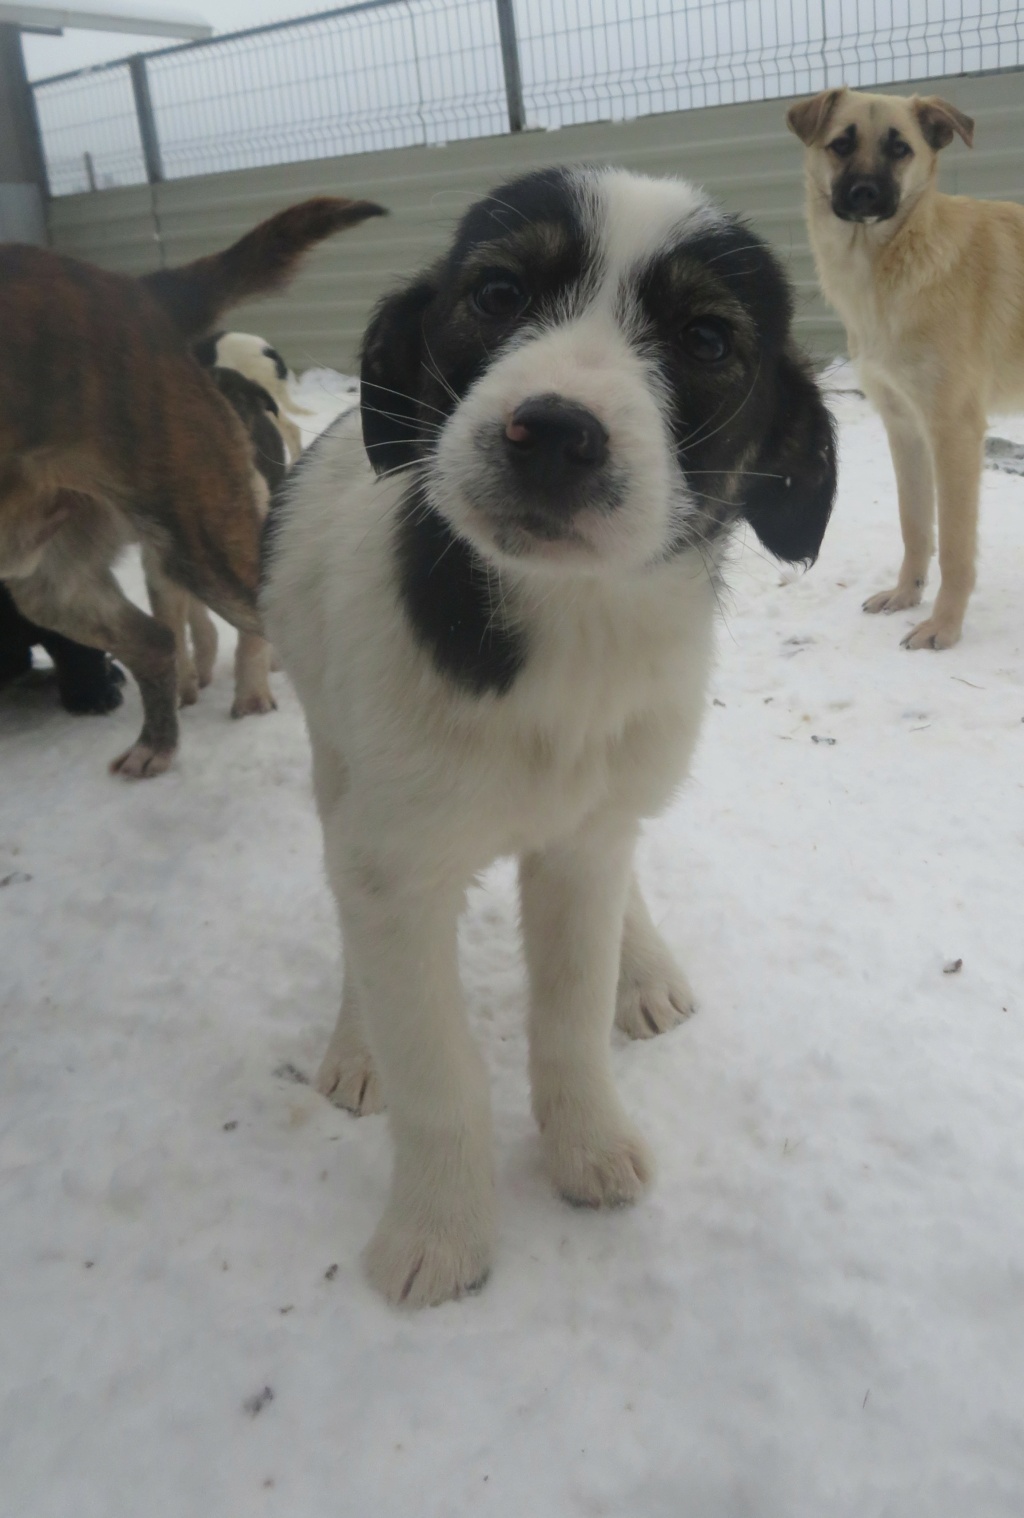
863, 197
555, 440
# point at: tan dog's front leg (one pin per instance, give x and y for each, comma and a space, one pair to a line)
915, 486
958, 435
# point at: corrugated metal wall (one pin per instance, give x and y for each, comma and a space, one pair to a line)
743, 154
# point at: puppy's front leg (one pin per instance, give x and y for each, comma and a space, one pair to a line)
654, 994
573, 904
435, 1238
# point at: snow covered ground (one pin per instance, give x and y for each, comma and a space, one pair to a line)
818, 1313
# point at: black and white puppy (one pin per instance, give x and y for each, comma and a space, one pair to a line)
501, 629
255, 358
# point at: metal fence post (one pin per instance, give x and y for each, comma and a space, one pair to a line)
22, 159
147, 119
510, 63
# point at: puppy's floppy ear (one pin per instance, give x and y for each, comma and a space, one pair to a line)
938, 121
390, 377
789, 494
809, 118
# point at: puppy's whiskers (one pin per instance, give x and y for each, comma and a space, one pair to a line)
705, 437
435, 372
403, 395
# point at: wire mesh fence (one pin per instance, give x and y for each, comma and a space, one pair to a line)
90, 130
626, 58
391, 73
412, 71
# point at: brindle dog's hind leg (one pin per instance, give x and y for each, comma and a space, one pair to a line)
99, 614
213, 547
171, 604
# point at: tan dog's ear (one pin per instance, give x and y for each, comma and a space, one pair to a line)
939, 120
809, 118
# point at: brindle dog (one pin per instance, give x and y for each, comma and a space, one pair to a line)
110, 432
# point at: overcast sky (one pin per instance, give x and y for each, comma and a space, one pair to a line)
75, 50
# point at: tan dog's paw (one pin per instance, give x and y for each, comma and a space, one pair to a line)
606, 1170
254, 704
898, 599
141, 762
654, 1003
934, 633
347, 1078
188, 689
413, 1265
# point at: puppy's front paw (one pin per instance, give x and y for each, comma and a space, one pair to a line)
897, 599
936, 632
348, 1079
653, 1001
602, 1169
142, 762
413, 1265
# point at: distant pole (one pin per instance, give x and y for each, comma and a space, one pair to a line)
147, 119
510, 63
24, 188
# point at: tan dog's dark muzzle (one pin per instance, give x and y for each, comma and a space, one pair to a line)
865, 197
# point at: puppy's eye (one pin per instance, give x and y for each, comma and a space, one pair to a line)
708, 340
500, 297
842, 147
899, 149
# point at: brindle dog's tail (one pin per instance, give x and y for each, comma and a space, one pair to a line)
195, 295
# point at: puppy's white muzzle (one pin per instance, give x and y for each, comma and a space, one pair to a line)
561, 455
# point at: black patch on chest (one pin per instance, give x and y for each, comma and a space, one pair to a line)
453, 602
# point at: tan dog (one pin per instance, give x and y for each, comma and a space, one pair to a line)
930, 288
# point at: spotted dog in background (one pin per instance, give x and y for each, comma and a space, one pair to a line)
255, 358
500, 624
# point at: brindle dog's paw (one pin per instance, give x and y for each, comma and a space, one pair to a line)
141, 762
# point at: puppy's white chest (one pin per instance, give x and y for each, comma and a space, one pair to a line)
606, 712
